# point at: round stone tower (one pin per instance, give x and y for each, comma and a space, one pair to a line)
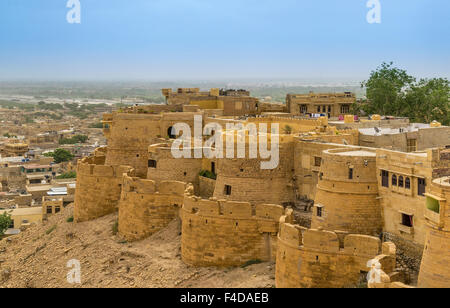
435, 267
346, 198
244, 179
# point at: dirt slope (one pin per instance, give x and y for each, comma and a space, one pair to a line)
38, 258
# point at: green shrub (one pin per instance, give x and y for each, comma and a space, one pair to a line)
53, 228
96, 125
60, 156
115, 227
287, 130
74, 140
67, 175
208, 174
5, 222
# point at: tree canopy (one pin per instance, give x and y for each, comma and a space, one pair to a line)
5, 222
74, 140
60, 155
392, 91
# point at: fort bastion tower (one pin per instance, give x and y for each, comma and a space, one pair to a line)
435, 267
246, 181
130, 133
347, 192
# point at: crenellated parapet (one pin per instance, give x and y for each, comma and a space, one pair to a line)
314, 258
146, 208
225, 233
98, 188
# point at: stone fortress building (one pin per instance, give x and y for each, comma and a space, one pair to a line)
369, 201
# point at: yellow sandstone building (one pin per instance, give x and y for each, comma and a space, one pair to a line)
369, 201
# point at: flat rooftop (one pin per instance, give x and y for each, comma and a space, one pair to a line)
356, 153
39, 188
380, 131
24, 211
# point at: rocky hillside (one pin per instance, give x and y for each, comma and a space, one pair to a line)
38, 258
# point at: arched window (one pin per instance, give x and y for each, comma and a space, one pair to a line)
400, 181
408, 183
394, 180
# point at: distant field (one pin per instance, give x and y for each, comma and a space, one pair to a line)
151, 92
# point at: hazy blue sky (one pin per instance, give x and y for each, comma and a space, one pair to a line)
219, 39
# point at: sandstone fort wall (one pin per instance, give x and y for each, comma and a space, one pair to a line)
224, 233
146, 208
98, 188
311, 258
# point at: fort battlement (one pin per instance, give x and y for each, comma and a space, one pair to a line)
313, 258
146, 207
224, 233
90, 167
98, 188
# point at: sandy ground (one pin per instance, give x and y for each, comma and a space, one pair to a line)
37, 258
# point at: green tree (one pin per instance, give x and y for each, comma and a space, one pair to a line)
428, 100
391, 91
385, 90
5, 222
67, 175
287, 130
74, 139
60, 155
96, 125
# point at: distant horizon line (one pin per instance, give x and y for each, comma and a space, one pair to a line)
189, 80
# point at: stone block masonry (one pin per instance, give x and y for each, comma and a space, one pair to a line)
146, 208
225, 233
312, 258
98, 188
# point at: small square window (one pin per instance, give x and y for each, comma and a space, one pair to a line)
317, 161
49, 210
407, 220
152, 163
